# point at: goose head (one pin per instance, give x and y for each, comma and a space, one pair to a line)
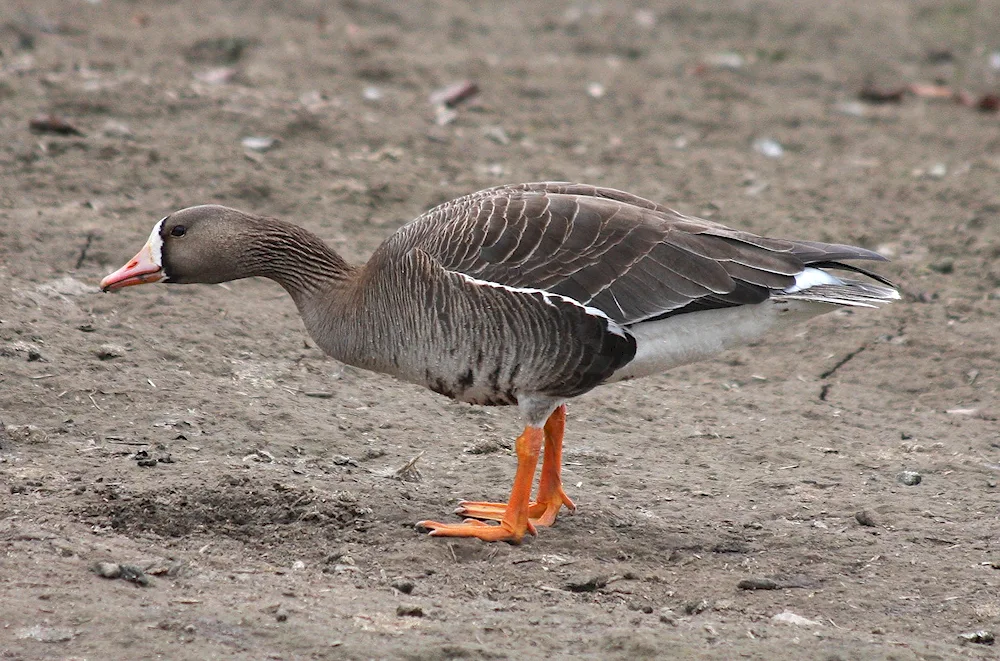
195, 245
211, 244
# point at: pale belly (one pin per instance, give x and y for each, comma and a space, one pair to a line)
688, 338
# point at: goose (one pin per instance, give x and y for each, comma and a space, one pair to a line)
524, 295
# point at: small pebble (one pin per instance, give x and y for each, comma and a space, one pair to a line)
497, 135
768, 147
788, 617
587, 583
909, 478
727, 60
667, 616
409, 611
981, 637
259, 144
867, 518
129, 573
403, 585
281, 615
216, 76
113, 129
109, 351
937, 171
695, 607
757, 583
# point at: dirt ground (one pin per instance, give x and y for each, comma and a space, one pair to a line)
198, 438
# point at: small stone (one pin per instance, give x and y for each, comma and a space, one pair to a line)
129, 573
409, 611
788, 617
134, 574
403, 585
109, 351
866, 518
667, 616
727, 60
937, 171
768, 147
281, 615
259, 144
723, 605
981, 637
587, 583
113, 129
695, 607
216, 75
497, 135
909, 478
298, 565
758, 583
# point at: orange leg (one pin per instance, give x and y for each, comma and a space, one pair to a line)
514, 522
551, 496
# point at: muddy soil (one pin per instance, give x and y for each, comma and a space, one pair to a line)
248, 488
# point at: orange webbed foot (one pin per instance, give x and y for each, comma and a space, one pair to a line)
542, 513
502, 532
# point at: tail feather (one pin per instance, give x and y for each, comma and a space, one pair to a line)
851, 293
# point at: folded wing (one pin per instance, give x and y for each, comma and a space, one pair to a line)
631, 258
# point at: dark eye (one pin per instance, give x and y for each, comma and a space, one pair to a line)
178, 230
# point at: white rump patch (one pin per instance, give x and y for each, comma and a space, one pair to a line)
550, 299
812, 277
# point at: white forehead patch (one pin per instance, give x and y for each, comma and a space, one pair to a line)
155, 244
